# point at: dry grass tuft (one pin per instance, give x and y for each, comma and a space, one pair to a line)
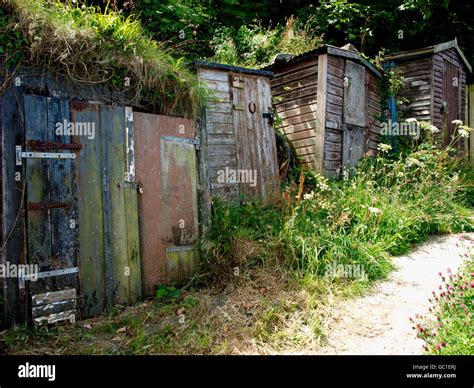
102, 48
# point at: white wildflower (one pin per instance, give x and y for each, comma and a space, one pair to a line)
457, 122
413, 161
433, 129
308, 196
374, 210
384, 147
463, 133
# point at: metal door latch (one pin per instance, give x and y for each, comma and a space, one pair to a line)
20, 154
270, 116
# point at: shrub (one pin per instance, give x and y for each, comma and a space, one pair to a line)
256, 46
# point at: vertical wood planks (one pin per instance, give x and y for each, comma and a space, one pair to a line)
131, 211
470, 99
254, 137
355, 94
62, 177
13, 227
110, 255
116, 261
39, 245
321, 113
90, 212
270, 166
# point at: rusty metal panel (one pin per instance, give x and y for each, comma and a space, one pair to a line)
167, 172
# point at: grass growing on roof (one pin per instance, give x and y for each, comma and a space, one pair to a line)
95, 47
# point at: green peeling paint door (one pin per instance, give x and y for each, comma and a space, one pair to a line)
51, 210
110, 271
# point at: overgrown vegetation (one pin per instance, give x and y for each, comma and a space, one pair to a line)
368, 24
256, 46
448, 328
97, 47
389, 204
266, 265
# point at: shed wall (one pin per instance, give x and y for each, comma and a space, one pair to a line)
334, 116
294, 88
438, 59
237, 137
418, 75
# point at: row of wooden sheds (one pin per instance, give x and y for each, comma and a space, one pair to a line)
109, 201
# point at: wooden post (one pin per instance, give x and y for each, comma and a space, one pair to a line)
321, 113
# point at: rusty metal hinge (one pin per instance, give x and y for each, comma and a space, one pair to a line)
185, 140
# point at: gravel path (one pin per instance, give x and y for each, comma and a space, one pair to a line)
379, 322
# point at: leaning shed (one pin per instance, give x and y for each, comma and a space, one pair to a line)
238, 146
435, 85
328, 100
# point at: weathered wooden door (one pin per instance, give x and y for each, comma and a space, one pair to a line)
257, 165
451, 97
166, 170
51, 209
354, 136
110, 268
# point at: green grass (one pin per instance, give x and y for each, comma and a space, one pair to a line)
94, 47
388, 205
449, 330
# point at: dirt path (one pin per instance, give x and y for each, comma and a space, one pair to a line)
379, 322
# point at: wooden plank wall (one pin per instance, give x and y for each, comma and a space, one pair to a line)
91, 216
374, 112
470, 120
294, 88
219, 126
439, 88
418, 77
13, 227
334, 116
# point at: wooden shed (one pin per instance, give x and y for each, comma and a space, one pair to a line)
238, 146
435, 85
97, 196
328, 100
